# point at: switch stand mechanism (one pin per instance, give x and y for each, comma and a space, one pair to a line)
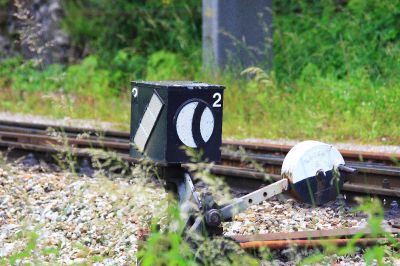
200, 212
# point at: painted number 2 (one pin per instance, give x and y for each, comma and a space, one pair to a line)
218, 97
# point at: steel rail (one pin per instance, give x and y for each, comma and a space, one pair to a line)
242, 175
124, 147
253, 147
284, 148
373, 178
66, 129
265, 159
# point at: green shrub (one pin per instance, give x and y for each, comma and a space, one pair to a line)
125, 67
105, 27
7, 67
28, 77
123, 36
87, 78
337, 37
166, 65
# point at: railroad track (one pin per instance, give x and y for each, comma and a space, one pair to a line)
244, 164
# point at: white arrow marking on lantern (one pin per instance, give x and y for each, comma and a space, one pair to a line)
148, 121
184, 124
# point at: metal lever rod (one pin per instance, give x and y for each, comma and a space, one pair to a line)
186, 191
252, 198
347, 170
190, 203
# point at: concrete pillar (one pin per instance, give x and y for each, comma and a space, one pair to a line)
237, 34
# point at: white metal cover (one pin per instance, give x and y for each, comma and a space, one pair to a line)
307, 157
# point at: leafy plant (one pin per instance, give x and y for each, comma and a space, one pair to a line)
87, 78
165, 65
103, 28
168, 247
27, 77
338, 37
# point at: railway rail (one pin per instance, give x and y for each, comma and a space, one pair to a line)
244, 164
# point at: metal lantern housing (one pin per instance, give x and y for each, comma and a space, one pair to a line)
169, 116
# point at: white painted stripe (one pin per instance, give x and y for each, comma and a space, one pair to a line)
140, 139
206, 124
152, 115
148, 122
184, 124
144, 130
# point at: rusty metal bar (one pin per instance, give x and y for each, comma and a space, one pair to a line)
341, 232
281, 244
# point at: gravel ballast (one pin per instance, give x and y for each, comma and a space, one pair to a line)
281, 214
81, 219
288, 215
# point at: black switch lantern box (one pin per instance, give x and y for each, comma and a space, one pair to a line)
167, 116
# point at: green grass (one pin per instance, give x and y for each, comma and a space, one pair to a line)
313, 107
325, 108
336, 74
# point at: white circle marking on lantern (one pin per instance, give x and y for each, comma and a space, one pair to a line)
184, 124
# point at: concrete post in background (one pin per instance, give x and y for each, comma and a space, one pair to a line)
237, 34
